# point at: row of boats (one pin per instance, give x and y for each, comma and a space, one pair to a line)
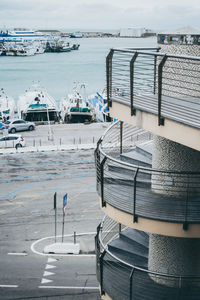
28, 43
36, 105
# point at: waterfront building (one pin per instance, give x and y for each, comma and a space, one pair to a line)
148, 176
135, 32
182, 36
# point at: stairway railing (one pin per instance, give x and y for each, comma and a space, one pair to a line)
122, 280
164, 195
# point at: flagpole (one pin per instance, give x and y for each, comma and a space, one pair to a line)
63, 226
64, 206
55, 215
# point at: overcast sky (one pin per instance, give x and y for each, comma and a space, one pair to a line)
99, 14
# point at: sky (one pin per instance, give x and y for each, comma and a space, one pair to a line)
99, 14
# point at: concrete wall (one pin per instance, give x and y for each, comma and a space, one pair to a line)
168, 155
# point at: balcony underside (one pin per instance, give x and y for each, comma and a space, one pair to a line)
151, 226
173, 130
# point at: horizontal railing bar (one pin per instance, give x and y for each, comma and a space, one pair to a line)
194, 58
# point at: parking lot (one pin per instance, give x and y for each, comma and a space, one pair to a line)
28, 184
60, 137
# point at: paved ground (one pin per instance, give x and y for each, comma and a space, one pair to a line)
27, 186
60, 137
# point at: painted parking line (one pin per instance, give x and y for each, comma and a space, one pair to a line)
8, 286
33, 246
69, 287
45, 180
17, 254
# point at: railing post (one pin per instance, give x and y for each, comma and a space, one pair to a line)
120, 227
160, 76
109, 76
185, 223
101, 272
155, 69
179, 288
155, 63
103, 203
121, 136
131, 284
97, 163
133, 59
135, 218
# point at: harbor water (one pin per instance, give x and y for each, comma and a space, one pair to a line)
57, 72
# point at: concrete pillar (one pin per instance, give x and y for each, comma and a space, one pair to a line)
168, 155
173, 256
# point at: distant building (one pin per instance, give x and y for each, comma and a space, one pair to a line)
50, 32
97, 34
132, 32
183, 36
135, 32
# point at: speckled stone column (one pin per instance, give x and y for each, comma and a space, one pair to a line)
170, 255
173, 256
171, 156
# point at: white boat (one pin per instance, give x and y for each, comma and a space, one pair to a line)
21, 35
99, 102
75, 108
23, 42
7, 106
36, 105
76, 34
26, 50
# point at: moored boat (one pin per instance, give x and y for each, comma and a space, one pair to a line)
7, 106
99, 103
76, 34
38, 106
75, 108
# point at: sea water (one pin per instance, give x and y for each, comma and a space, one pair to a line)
58, 72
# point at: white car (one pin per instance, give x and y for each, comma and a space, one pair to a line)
11, 141
14, 125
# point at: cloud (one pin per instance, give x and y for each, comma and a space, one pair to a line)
99, 14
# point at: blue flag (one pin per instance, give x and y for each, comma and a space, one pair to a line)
64, 203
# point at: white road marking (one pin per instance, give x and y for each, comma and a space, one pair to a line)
61, 255
69, 287
51, 260
19, 254
49, 267
44, 280
8, 286
46, 273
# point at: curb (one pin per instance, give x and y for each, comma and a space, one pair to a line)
48, 148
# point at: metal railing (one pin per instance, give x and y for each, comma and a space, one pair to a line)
163, 195
122, 280
162, 84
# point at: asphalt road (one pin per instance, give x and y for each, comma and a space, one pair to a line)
27, 187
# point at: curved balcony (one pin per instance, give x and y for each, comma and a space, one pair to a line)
132, 193
157, 92
122, 270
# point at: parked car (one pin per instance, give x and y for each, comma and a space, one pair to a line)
11, 141
14, 125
